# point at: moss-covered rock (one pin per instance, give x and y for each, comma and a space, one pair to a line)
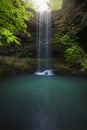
15, 66
60, 67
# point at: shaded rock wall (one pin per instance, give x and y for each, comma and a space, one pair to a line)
72, 12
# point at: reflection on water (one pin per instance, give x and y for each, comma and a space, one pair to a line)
43, 103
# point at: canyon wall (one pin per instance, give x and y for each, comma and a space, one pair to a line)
72, 12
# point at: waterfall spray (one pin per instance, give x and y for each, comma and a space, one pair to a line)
44, 42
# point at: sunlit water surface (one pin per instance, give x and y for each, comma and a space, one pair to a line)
43, 103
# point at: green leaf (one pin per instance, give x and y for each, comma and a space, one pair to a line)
1, 44
13, 39
13, 16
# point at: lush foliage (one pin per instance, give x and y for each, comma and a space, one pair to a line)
13, 14
84, 64
64, 39
55, 4
67, 38
73, 53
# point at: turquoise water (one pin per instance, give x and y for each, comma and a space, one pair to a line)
43, 103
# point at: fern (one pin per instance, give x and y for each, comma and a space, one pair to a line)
13, 15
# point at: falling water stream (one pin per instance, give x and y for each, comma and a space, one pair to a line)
44, 42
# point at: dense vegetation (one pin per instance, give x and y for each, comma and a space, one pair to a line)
68, 44
13, 14
55, 4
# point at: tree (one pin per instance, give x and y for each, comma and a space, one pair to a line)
13, 14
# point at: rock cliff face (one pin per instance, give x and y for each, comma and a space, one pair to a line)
72, 12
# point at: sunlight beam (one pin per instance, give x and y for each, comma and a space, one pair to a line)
41, 4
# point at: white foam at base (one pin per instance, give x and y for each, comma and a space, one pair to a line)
46, 72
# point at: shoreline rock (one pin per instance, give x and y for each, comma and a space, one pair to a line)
12, 66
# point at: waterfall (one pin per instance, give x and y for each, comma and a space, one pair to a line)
44, 42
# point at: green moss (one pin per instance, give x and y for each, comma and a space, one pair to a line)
68, 45
84, 65
13, 65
